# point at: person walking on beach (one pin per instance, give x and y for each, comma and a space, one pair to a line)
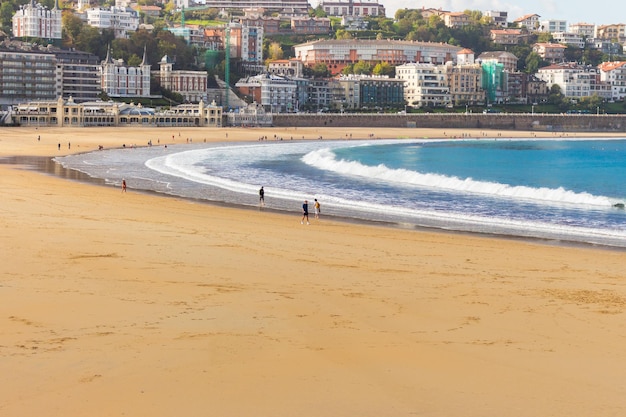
261, 197
305, 212
123, 186
317, 209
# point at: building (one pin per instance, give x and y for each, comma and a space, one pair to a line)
498, 18
614, 73
568, 38
62, 112
27, 74
575, 81
464, 83
507, 59
121, 20
585, 30
456, 19
380, 92
251, 44
529, 21
286, 68
119, 80
270, 24
352, 8
33, 20
338, 53
276, 94
551, 52
552, 26
425, 85
192, 85
310, 25
614, 32
537, 90
289, 7
80, 75
494, 81
192, 34
507, 36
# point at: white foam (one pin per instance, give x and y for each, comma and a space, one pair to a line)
326, 159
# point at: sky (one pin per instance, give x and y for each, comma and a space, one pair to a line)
573, 11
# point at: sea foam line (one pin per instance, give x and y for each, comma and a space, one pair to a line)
325, 159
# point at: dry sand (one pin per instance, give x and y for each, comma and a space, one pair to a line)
132, 304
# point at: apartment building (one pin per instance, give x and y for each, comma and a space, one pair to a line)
27, 75
310, 25
575, 81
80, 75
338, 53
456, 19
614, 73
529, 21
33, 20
498, 18
614, 32
425, 85
120, 80
507, 59
192, 85
121, 20
568, 38
552, 25
464, 83
506, 36
352, 8
584, 30
551, 52
276, 94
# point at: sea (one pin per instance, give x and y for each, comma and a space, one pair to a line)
562, 191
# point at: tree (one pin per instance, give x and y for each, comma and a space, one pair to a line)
319, 70
275, 52
6, 14
533, 62
383, 68
343, 34
72, 26
362, 67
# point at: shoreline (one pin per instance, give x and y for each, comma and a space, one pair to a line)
131, 303
48, 166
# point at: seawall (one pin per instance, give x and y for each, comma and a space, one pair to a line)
501, 121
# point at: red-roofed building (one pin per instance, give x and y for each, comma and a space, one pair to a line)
529, 21
615, 74
506, 36
551, 52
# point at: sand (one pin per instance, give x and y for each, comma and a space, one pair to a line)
133, 304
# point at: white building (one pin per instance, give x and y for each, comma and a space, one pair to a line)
585, 30
276, 94
352, 8
553, 26
424, 84
36, 21
576, 81
569, 38
498, 18
121, 20
119, 80
614, 73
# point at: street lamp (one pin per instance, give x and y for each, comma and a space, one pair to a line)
532, 109
465, 108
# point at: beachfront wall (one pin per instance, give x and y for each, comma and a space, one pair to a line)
500, 121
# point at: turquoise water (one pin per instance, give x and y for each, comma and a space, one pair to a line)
546, 189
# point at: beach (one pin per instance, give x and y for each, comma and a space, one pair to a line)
137, 304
